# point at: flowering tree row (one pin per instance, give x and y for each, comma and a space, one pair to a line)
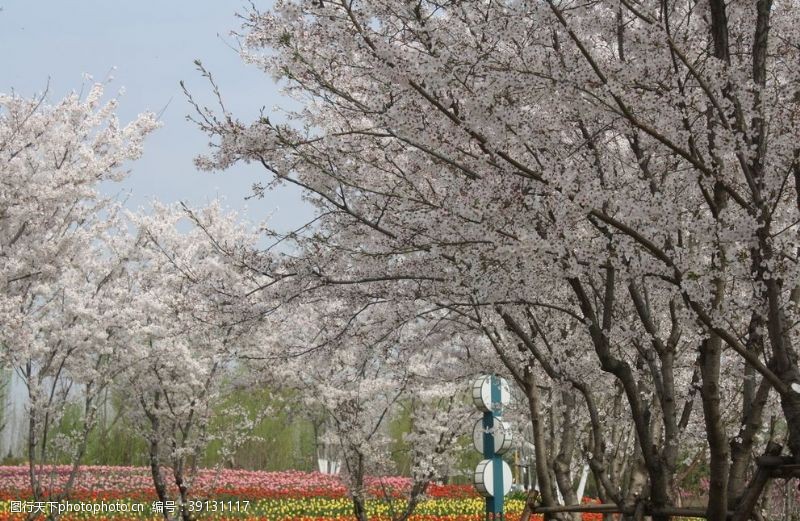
95, 301
602, 196
166, 309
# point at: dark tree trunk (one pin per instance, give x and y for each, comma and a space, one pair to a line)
711, 351
744, 510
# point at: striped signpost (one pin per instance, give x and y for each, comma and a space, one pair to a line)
491, 437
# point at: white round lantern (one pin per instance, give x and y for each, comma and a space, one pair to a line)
501, 431
482, 393
484, 478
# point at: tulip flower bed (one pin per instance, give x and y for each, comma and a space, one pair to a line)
243, 495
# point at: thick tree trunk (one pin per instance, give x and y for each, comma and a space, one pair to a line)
563, 460
183, 491
742, 448
711, 351
784, 359
417, 490
357, 490
784, 364
539, 442
155, 472
360, 507
635, 484
154, 449
744, 510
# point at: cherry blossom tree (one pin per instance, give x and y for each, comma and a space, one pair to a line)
625, 173
61, 325
189, 310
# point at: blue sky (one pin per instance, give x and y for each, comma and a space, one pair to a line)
153, 46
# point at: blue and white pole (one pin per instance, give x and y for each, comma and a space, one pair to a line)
492, 438
494, 504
